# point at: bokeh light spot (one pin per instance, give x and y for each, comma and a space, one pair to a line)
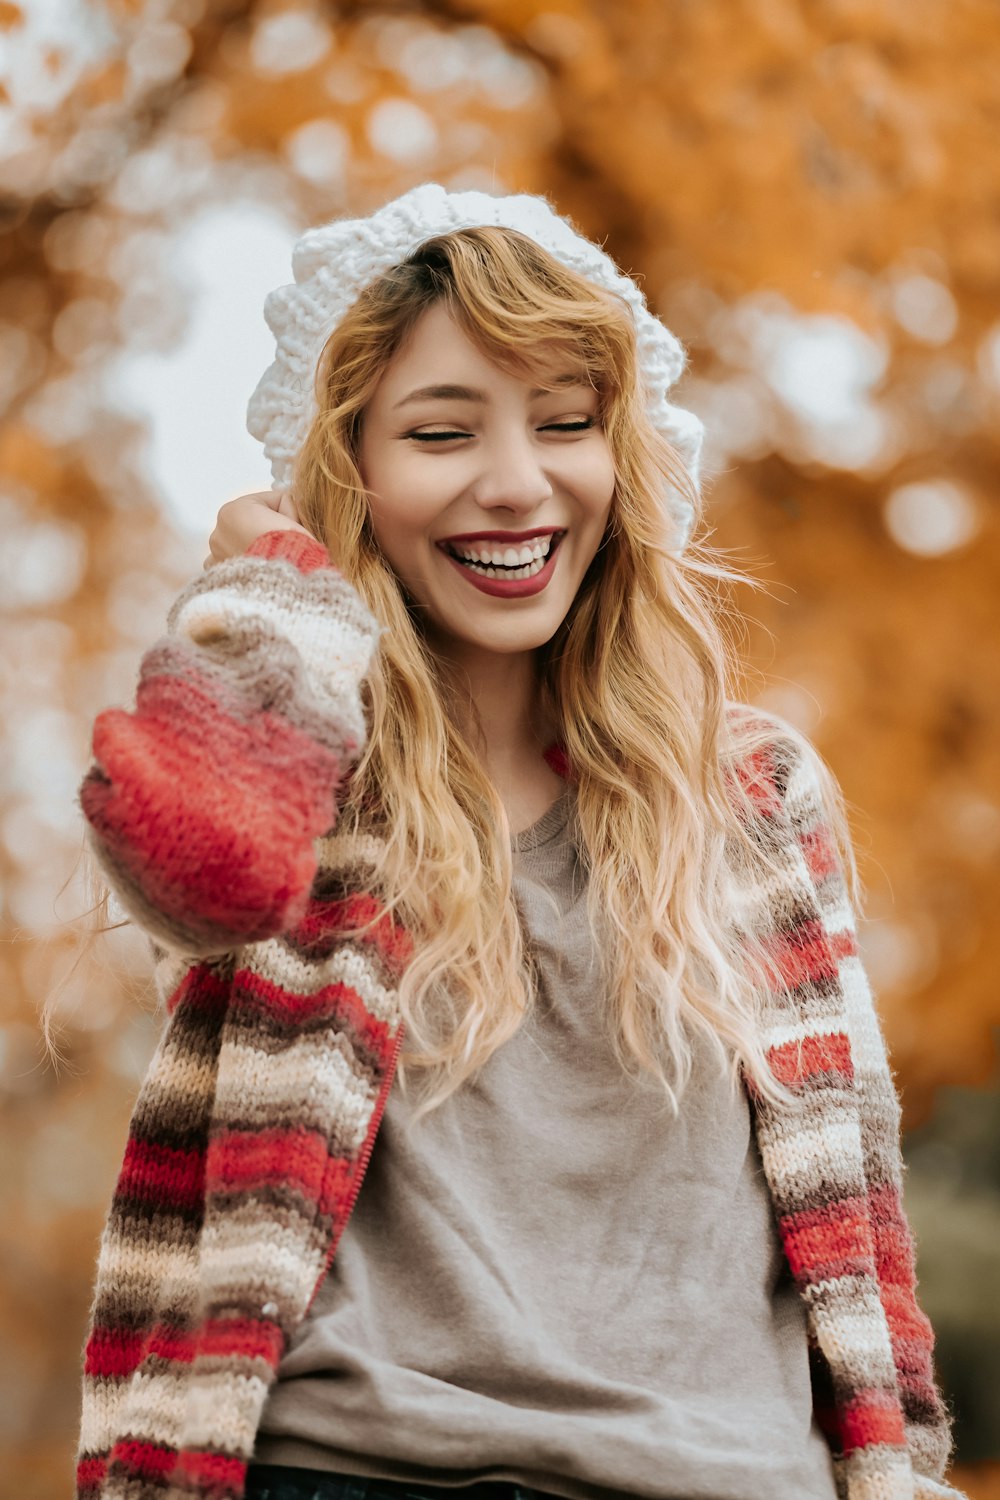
401, 130
924, 307
83, 330
823, 366
899, 954
159, 53
41, 562
988, 357
319, 151
931, 517
289, 42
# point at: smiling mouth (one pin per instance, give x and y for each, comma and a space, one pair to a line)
540, 555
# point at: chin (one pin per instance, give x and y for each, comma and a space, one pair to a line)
506, 642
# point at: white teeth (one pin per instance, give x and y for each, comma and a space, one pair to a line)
489, 572
508, 557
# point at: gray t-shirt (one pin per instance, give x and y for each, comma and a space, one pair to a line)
551, 1280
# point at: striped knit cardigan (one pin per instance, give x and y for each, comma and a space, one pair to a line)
255, 1123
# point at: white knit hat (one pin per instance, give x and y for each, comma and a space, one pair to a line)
334, 263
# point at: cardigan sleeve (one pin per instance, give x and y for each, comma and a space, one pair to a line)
927, 1423
203, 803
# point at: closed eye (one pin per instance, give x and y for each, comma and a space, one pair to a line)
447, 437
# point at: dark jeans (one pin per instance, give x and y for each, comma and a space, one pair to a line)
277, 1482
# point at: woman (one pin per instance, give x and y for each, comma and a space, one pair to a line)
447, 831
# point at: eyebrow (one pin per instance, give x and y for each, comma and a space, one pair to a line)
469, 393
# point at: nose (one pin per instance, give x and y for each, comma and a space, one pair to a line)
513, 476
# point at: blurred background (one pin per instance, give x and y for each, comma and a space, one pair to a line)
808, 190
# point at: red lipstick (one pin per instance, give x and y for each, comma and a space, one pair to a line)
507, 588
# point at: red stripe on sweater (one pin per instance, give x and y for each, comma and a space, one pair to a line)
337, 1003
872, 1417
823, 860
242, 1338
843, 944
215, 1475
210, 1474
134, 1459
171, 1343
304, 552
909, 1327
112, 1353
895, 1243
243, 1169
834, 1240
802, 956
820, 852
326, 922
794, 1062
162, 1175
200, 987
240, 1161
388, 937
887, 1207
90, 1474
755, 774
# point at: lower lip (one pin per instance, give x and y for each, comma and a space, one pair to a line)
509, 588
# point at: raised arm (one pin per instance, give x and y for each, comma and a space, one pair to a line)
204, 801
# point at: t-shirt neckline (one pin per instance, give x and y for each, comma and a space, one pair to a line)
547, 827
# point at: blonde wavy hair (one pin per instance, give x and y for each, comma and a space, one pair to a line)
637, 678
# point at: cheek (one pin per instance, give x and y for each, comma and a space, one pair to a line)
402, 530
401, 501
408, 485
402, 523
596, 478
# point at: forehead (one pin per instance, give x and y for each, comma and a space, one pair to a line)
438, 350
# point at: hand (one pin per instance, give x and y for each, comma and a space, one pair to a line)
243, 520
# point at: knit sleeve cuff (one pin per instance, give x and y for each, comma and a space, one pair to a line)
304, 552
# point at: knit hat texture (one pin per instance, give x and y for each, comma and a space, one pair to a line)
334, 263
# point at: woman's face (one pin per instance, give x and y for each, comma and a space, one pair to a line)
489, 495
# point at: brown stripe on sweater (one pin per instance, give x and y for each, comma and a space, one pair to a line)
125, 1306
258, 1026
917, 1396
